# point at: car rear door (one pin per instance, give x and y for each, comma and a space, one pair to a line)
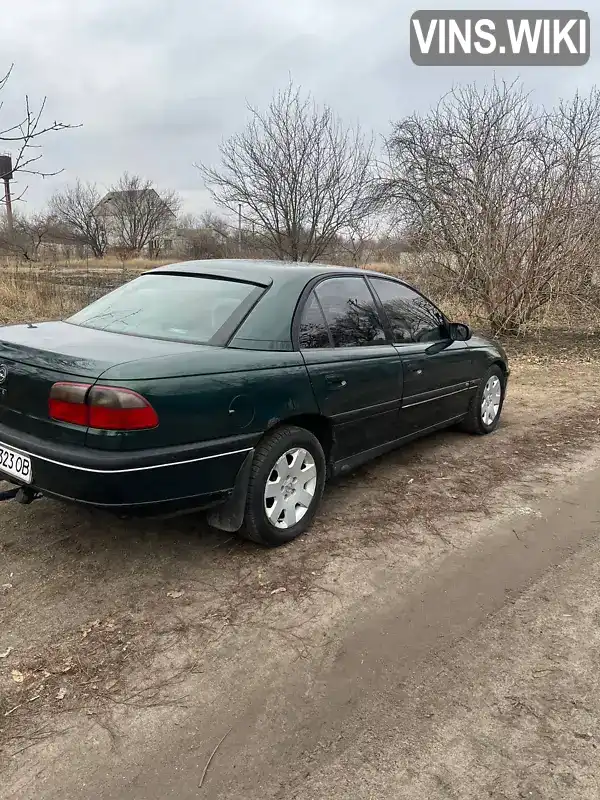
356, 374
438, 374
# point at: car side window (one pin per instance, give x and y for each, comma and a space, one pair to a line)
412, 317
350, 312
313, 332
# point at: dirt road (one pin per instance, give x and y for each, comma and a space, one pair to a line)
435, 636
452, 687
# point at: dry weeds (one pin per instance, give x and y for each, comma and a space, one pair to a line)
46, 291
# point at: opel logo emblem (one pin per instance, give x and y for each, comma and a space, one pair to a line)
3, 373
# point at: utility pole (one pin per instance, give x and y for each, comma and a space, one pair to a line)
240, 228
9, 213
6, 173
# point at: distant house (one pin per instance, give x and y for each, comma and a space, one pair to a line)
137, 217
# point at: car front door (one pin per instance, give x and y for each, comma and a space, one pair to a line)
438, 374
356, 374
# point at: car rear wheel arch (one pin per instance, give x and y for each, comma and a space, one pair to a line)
279, 443
317, 424
229, 516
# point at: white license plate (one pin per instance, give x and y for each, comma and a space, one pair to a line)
14, 464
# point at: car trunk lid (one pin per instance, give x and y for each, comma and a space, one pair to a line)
35, 357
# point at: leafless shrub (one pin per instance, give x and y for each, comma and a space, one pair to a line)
358, 242
299, 174
502, 195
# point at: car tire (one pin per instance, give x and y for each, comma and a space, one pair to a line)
272, 489
488, 398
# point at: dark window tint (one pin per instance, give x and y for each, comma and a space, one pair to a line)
412, 317
350, 312
189, 308
313, 328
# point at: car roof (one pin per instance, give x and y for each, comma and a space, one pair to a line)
261, 271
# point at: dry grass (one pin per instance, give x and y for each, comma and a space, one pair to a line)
22, 300
44, 291
33, 296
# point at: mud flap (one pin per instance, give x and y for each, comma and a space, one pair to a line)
230, 516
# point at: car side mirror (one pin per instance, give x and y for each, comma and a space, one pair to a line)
459, 332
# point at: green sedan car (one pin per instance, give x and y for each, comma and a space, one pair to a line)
238, 387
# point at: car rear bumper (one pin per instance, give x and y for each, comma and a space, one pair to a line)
157, 481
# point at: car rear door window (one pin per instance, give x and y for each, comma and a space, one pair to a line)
313, 332
351, 313
411, 316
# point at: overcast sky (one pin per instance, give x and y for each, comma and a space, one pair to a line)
156, 84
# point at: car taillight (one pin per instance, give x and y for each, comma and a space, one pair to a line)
113, 409
102, 407
67, 403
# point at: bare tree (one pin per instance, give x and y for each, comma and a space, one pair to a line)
22, 137
218, 226
207, 236
75, 210
27, 236
501, 194
299, 174
188, 221
136, 215
360, 239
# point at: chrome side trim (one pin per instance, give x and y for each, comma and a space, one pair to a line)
439, 397
131, 469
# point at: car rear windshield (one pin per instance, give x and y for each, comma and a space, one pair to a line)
187, 308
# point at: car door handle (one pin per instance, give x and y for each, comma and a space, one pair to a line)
336, 381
